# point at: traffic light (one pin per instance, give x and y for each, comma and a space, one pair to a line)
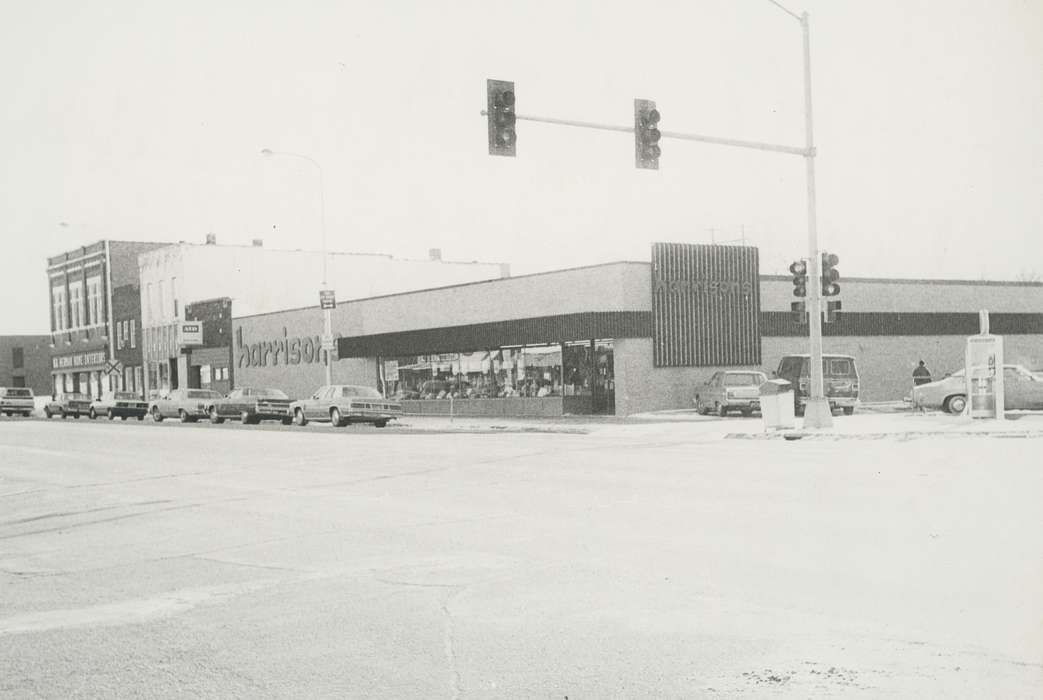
502, 117
830, 288
833, 311
646, 134
800, 317
799, 270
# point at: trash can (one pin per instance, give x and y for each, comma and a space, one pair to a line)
776, 396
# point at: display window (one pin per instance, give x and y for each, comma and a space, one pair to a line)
573, 369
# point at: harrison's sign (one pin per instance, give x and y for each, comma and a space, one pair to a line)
713, 287
284, 350
705, 305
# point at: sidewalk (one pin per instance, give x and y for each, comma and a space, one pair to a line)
874, 421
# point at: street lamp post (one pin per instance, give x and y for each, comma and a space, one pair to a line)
327, 321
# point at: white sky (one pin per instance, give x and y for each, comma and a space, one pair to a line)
145, 121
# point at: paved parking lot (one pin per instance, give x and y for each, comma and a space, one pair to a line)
628, 559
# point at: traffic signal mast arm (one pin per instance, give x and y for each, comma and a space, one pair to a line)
794, 150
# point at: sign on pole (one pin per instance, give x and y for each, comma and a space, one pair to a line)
114, 367
327, 299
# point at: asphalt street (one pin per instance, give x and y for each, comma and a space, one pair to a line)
141, 560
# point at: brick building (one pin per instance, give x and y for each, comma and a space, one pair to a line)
94, 318
25, 362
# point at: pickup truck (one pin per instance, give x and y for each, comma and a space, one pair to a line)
251, 406
16, 400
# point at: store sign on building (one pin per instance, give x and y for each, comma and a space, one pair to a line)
190, 333
705, 305
82, 359
284, 350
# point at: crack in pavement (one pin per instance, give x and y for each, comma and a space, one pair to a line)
82, 512
98, 521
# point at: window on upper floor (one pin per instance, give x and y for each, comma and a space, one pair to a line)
76, 303
173, 294
58, 301
93, 301
17, 358
131, 334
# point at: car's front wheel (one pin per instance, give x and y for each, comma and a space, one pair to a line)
214, 418
298, 417
182, 415
335, 418
156, 415
956, 404
722, 410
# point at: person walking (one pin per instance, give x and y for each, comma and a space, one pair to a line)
921, 375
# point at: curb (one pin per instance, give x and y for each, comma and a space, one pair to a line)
905, 435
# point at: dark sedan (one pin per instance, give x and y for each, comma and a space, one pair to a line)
122, 405
251, 406
74, 405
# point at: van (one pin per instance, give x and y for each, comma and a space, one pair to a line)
16, 400
839, 379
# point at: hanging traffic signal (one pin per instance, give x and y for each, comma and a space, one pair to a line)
800, 316
646, 134
830, 288
500, 110
799, 270
833, 311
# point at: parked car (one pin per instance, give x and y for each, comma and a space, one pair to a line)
16, 400
839, 377
187, 405
74, 405
730, 390
1022, 390
341, 404
122, 404
251, 406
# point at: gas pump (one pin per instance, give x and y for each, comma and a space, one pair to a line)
984, 373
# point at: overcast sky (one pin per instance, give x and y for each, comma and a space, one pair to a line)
145, 121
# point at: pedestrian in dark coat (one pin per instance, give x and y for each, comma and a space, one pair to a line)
921, 375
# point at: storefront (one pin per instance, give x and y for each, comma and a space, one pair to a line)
80, 373
564, 378
623, 338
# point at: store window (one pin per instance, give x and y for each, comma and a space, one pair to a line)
574, 369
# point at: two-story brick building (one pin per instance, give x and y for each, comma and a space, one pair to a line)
95, 317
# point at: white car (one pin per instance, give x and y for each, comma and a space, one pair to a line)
187, 405
1022, 390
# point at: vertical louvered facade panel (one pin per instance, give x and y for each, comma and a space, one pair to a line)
705, 305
